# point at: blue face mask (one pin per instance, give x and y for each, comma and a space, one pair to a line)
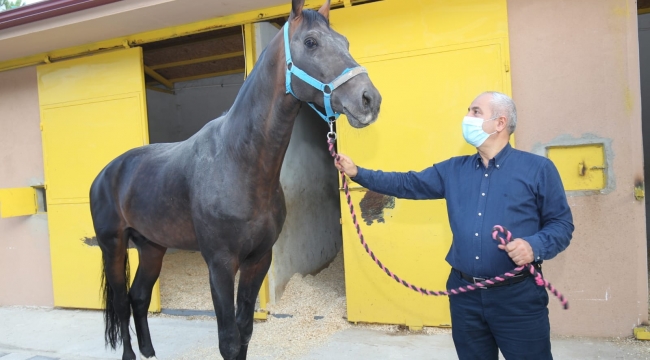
473, 131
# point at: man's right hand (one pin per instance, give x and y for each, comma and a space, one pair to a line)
345, 164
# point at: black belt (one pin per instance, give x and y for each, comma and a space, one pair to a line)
509, 281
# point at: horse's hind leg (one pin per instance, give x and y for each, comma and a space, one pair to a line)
117, 310
251, 276
151, 257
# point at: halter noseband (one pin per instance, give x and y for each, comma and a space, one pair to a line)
326, 89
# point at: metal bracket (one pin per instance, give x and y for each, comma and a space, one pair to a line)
18, 202
641, 333
639, 192
354, 188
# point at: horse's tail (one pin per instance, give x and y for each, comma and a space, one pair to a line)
112, 322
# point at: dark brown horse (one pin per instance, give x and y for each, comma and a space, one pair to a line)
219, 191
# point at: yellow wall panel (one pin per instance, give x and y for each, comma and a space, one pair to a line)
395, 26
77, 260
18, 202
91, 77
429, 60
84, 136
581, 167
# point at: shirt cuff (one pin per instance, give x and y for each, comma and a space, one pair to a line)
361, 172
538, 248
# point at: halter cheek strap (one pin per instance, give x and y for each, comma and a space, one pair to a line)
327, 89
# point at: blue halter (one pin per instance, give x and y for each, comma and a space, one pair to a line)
326, 89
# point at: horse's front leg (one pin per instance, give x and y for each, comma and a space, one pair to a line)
251, 276
222, 269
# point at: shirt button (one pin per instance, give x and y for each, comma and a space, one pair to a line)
479, 214
486, 175
477, 258
497, 166
476, 234
483, 194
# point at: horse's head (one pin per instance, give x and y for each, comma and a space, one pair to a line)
322, 54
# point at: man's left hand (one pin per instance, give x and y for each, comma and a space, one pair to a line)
519, 251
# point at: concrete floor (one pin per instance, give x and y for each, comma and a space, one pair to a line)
368, 344
47, 334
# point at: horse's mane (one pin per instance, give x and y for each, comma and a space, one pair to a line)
311, 16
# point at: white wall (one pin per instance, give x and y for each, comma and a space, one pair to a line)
162, 117
177, 117
311, 236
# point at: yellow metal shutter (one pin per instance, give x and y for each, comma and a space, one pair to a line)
429, 60
92, 110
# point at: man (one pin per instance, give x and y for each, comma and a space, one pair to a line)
497, 185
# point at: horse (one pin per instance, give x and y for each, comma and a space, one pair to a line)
219, 191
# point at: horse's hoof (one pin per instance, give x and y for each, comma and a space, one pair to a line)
146, 358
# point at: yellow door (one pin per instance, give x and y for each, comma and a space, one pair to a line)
92, 110
429, 60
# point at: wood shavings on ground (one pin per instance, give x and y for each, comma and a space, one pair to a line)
184, 282
311, 310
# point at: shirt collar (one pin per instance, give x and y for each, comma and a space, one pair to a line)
498, 159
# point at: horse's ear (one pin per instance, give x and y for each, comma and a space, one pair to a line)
296, 8
325, 10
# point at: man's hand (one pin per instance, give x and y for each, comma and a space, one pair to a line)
345, 164
519, 251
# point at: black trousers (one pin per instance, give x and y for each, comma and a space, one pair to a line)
511, 318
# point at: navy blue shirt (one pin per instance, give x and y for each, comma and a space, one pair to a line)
518, 190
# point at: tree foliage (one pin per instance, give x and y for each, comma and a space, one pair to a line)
9, 4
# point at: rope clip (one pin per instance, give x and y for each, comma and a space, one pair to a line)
331, 135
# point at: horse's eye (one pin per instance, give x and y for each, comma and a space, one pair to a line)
310, 43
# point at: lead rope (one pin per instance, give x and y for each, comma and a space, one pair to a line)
497, 233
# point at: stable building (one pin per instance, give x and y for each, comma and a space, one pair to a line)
82, 83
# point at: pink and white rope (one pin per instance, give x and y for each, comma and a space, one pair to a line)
497, 231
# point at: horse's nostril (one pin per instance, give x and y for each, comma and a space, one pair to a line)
367, 99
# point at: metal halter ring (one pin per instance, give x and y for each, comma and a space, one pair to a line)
331, 135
